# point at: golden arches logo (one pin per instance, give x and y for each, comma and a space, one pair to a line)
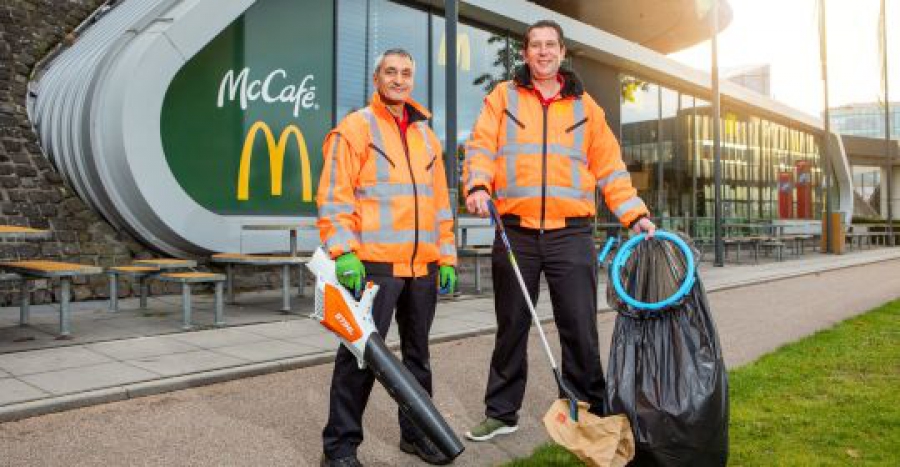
277, 151
463, 52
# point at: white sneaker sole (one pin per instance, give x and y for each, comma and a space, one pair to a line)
499, 431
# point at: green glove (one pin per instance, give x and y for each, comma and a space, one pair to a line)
447, 279
350, 271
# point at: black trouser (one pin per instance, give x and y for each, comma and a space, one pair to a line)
567, 258
415, 301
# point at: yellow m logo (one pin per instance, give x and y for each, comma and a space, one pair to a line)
276, 160
463, 52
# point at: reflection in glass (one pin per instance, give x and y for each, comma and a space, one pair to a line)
674, 171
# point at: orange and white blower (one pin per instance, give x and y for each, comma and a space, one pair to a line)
351, 321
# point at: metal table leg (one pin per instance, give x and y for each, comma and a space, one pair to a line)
186, 306
65, 284
286, 288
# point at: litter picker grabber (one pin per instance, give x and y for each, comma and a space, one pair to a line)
564, 389
351, 321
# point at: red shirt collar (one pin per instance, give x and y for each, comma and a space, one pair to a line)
548, 100
403, 121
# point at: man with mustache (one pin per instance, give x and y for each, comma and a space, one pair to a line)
541, 146
384, 216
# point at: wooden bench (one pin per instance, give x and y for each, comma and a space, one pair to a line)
41, 269
143, 270
186, 279
477, 253
141, 273
230, 260
774, 244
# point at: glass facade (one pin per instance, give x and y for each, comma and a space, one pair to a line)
769, 171
366, 28
865, 120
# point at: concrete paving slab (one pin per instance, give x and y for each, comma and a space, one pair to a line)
446, 325
188, 362
133, 349
268, 350
87, 378
213, 338
322, 340
13, 391
286, 329
41, 361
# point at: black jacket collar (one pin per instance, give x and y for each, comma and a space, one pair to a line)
572, 86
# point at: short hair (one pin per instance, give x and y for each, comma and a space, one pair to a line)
546, 23
395, 52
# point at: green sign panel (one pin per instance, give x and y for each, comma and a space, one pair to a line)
243, 121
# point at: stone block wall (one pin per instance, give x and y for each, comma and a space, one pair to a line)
32, 193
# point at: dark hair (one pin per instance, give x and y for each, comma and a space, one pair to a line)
546, 23
396, 51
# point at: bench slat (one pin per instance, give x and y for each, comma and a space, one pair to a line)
192, 277
237, 258
45, 268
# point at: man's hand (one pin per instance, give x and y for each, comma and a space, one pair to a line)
350, 271
447, 279
476, 203
645, 225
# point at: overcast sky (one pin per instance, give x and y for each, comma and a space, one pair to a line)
784, 34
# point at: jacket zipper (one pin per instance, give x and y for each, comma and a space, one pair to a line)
412, 260
545, 107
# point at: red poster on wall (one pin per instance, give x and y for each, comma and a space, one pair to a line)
804, 190
785, 195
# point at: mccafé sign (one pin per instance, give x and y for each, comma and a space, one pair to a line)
244, 119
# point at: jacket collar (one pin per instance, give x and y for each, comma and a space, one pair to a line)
415, 111
572, 86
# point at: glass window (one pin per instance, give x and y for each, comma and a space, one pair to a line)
365, 30
640, 137
481, 63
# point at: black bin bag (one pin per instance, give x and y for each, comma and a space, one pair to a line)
666, 371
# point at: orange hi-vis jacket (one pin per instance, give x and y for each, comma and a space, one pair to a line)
543, 162
385, 197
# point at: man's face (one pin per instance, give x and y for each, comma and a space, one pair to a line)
544, 52
394, 80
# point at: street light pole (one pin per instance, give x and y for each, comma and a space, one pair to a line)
451, 160
887, 127
826, 159
719, 259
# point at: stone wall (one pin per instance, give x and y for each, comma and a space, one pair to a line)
32, 193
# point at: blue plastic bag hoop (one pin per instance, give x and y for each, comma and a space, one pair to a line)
625, 251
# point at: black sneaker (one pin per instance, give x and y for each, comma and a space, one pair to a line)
349, 461
426, 450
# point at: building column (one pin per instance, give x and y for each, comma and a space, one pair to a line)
895, 191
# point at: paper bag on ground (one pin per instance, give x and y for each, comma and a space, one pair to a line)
597, 441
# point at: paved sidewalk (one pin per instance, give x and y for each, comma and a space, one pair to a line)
80, 374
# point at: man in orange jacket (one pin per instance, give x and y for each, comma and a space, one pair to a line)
384, 215
541, 147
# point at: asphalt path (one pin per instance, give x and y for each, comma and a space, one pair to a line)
277, 419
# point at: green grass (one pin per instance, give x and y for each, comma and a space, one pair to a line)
832, 399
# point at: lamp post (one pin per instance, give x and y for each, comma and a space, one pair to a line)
887, 127
826, 159
451, 160
719, 259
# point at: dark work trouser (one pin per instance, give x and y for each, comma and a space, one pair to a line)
415, 301
567, 258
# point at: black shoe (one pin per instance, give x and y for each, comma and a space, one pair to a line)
426, 450
349, 461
